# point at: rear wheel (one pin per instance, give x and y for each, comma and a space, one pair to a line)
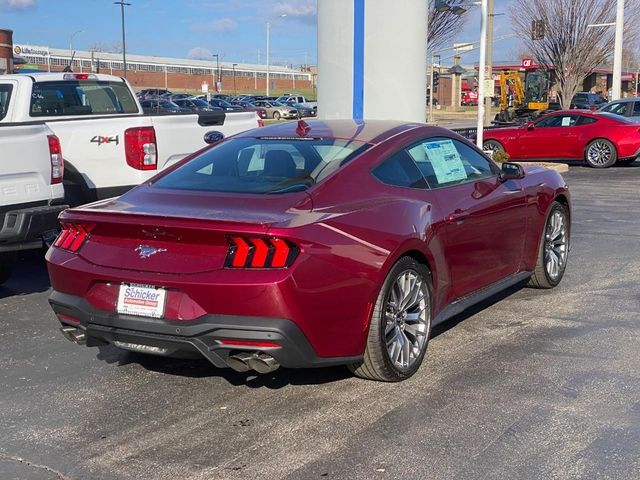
554, 249
492, 146
600, 153
400, 324
276, 115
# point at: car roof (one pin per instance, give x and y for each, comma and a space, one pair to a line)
625, 100
367, 131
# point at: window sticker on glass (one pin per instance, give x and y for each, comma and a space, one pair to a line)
566, 121
446, 161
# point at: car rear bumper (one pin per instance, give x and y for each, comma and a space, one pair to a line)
203, 337
24, 228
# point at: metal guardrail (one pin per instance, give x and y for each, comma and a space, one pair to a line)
471, 132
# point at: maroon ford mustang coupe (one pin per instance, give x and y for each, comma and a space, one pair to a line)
304, 245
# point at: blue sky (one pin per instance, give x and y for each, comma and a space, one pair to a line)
197, 28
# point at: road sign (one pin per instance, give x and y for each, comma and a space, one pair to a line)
462, 47
205, 87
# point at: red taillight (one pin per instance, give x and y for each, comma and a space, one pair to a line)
260, 122
73, 236
140, 148
248, 343
57, 162
256, 252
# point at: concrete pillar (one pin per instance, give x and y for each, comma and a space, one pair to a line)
372, 59
6, 51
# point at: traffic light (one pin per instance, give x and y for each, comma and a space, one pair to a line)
537, 30
436, 79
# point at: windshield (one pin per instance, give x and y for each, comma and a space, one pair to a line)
85, 97
200, 103
5, 96
263, 165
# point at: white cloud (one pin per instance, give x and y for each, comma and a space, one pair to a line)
17, 5
304, 10
200, 53
222, 25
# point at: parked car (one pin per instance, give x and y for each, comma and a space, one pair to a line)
304, 112
178, 96
336, 275
110, 144
224, 105
162, 106
627, 107
31, 190
290, 98
600, 139
156, 92
277, 110
250, 107
587, 101
195, 105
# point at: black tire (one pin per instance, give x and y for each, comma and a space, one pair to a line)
626, 162
7, 262
276, 115
608, 156
377, 363
493, 146
74, 195
542, 277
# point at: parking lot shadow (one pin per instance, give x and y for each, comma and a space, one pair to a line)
200, 368
29, 276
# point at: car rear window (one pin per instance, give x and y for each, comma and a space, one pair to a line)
263, 165
85, 97
5, 96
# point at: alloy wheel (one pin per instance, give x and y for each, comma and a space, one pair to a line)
599, 153
407, 319
556, 246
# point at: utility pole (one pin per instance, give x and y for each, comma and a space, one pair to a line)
481, 71
124, 39
268, 58
616, 92
217, 76
489, 99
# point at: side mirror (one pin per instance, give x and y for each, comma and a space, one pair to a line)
511, 171
530, 126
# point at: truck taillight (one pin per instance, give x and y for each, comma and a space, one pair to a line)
73, 236
57, 162
140, 148
258, 252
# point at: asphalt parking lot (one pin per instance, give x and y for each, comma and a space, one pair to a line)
533, 384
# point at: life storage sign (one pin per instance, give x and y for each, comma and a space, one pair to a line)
141, 300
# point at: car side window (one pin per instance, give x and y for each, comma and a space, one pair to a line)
582, 120
445, 161
400, 171
636, 110
557, 121
618, 108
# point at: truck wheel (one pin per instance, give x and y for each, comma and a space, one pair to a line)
276, 115
7, 262
73, 194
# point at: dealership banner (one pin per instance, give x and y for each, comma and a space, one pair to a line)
19, 49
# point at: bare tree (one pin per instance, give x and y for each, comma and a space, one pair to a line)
569, 47
443, 26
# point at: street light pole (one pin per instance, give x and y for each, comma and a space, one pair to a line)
617, 54
268, 55
481, 72
124, 40
217, 75
235, 92
71, 40
489, 99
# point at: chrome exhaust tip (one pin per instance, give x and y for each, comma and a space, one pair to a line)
239, 361
263, 363
74, 335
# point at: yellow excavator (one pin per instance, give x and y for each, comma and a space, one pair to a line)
522, 101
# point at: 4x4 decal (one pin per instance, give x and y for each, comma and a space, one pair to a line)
100, 139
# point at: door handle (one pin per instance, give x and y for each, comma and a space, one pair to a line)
457, 216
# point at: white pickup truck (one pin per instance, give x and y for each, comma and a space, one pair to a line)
291, 98
109, 144
31, 191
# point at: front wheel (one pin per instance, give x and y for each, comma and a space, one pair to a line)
600, 153
400, 324
276, 115
492, 146
554, 249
